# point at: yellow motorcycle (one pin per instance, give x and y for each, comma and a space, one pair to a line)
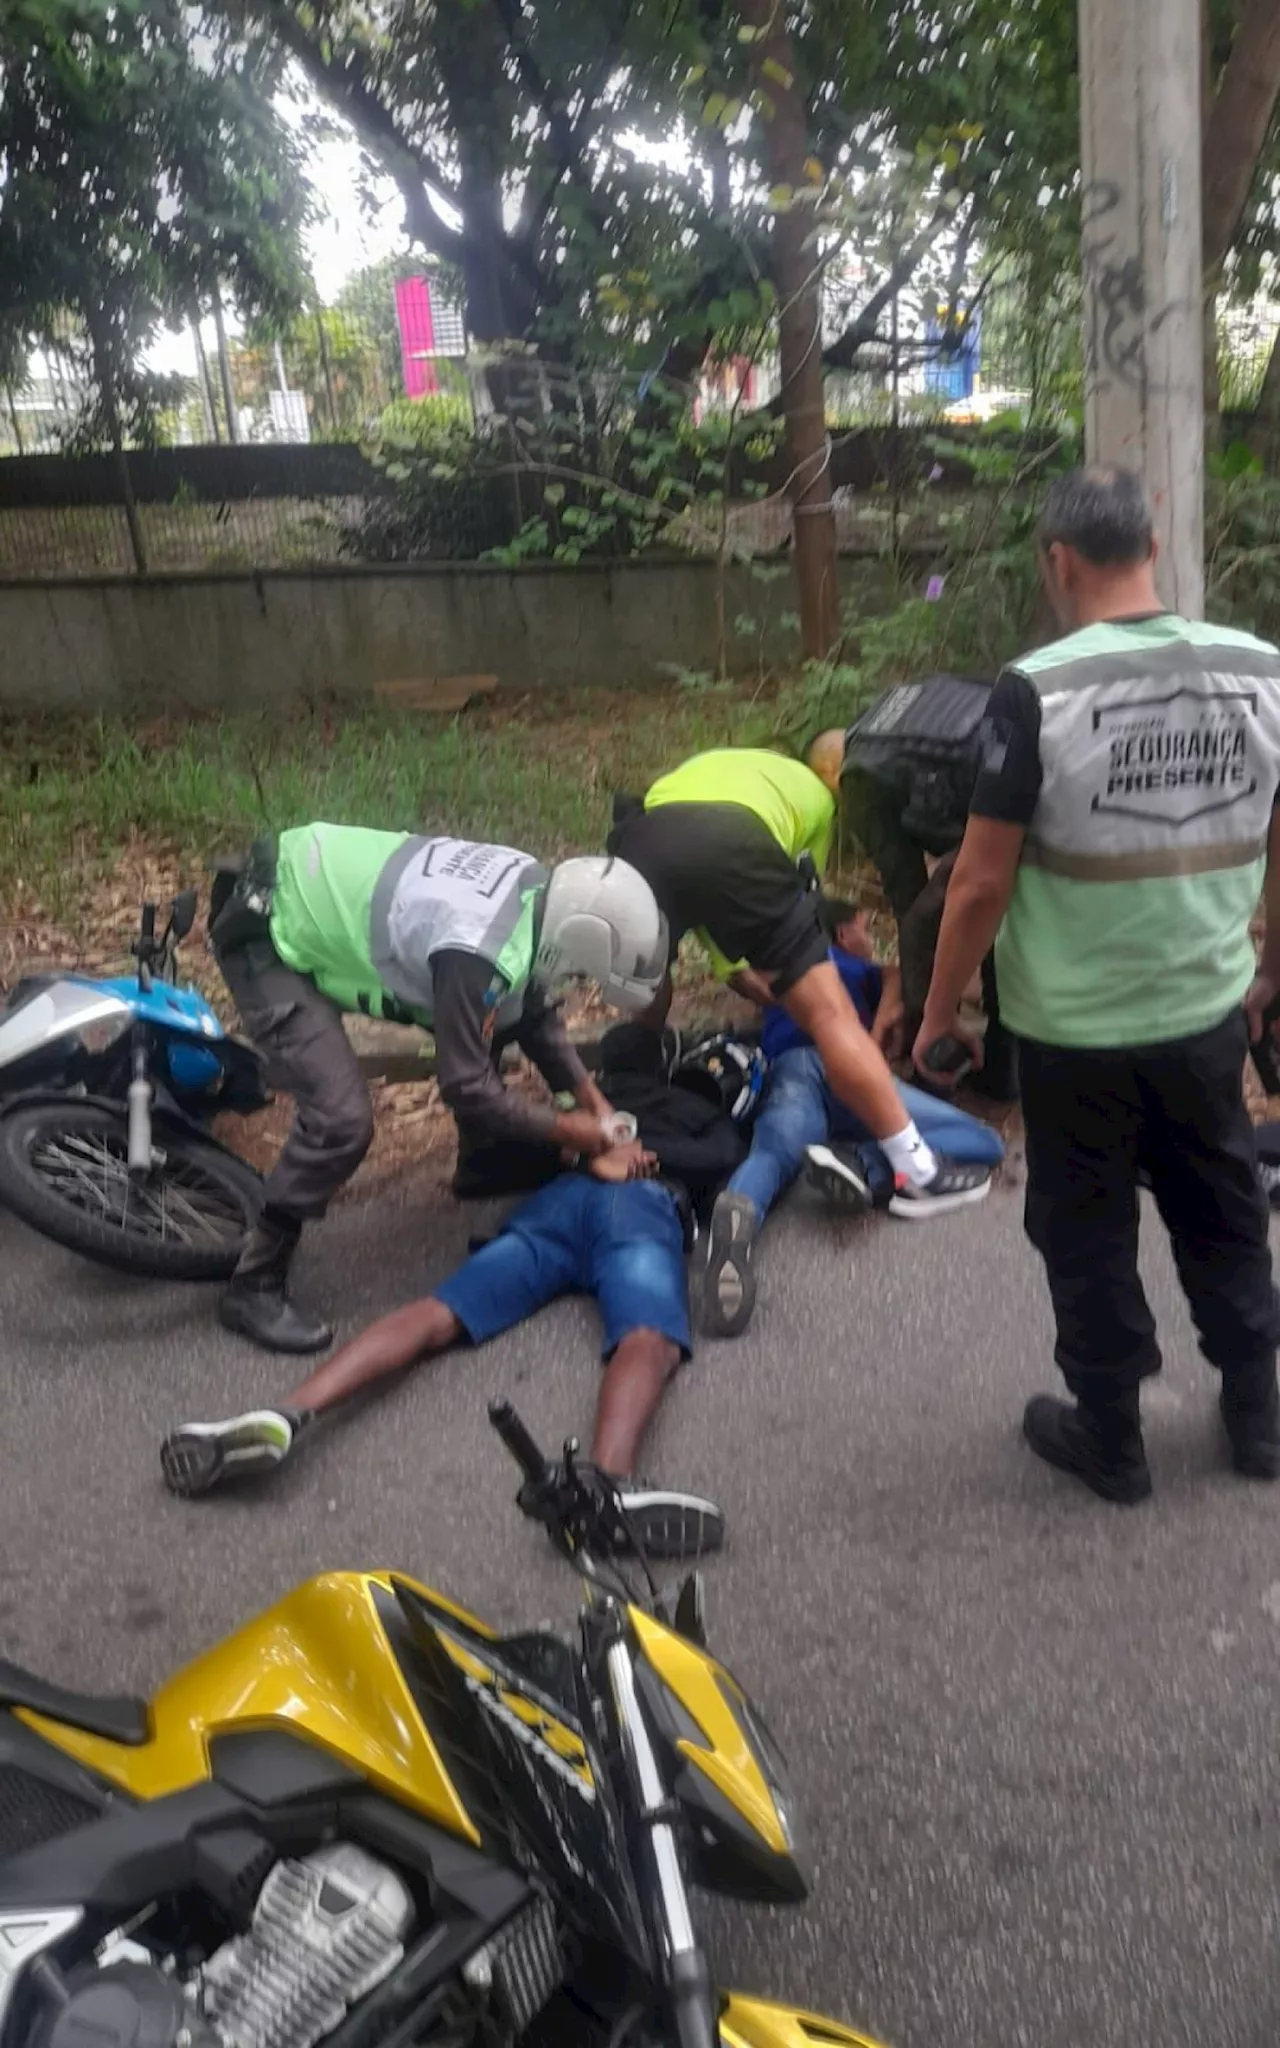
367, 1821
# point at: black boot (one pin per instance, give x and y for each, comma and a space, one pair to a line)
1251, 1416
256, 1305
1102, 1446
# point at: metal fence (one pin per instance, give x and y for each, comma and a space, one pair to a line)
245, 509
193, 508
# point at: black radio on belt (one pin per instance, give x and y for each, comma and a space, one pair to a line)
1263, 1051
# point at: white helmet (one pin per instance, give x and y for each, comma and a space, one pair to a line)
601, 923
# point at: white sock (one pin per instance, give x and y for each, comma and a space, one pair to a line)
908, 1154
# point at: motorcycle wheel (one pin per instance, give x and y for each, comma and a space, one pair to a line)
64, 1169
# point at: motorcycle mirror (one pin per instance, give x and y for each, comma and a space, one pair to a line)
691, 1611
182, 914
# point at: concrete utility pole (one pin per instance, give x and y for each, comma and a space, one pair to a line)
1141, 113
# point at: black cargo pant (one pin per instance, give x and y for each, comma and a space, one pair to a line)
308, 1056
1093, 1121
918, 928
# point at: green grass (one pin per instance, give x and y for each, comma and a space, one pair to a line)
540, 773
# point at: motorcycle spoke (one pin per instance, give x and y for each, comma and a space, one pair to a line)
71, 1174
181, 1205
178, 1216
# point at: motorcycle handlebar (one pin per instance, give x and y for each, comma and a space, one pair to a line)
517, 1440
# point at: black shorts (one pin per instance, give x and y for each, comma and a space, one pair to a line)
717, 868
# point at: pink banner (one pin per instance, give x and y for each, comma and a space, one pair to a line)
417, 335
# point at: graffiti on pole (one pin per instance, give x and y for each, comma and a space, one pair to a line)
1118, 321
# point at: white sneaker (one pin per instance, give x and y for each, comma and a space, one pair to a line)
200, 1454
952, 1187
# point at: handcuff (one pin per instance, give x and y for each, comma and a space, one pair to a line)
619, 1126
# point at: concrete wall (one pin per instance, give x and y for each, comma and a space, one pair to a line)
210, 641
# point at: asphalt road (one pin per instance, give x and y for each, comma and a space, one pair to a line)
1037, 1739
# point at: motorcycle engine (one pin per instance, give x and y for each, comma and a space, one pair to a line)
326, 1929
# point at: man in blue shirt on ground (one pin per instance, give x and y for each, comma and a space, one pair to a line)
802, 1122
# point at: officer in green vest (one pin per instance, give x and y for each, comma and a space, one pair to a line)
471, 941
1122, 828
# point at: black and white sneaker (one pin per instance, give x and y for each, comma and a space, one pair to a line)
952, 1187
200, 1455
838, 1177
666, 1524
728, 1282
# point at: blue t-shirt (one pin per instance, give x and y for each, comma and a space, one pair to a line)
864, 981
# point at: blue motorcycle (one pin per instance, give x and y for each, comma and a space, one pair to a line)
108, 1090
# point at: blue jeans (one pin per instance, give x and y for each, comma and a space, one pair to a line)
799, 1109
624, 1245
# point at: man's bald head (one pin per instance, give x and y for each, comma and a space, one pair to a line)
826, 758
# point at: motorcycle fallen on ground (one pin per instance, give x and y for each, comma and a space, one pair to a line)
108, 1089
367, 1820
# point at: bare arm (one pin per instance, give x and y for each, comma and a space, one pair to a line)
977, 899
754, 986
886, 1025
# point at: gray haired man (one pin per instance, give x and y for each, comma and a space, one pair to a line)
1121, 832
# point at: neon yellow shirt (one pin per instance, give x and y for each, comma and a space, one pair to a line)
788, 798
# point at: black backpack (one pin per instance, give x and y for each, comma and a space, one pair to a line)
920, 744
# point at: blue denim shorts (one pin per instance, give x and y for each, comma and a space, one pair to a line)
624, 1245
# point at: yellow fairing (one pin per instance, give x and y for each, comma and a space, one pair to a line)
547, 1731
705, 1690
318, 1665
751, 2023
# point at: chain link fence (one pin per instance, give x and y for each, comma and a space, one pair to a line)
333, 463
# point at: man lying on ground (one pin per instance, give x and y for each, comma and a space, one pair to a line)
801, 1119
618, 1230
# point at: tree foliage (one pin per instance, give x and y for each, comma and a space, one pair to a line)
144, 168
597, 172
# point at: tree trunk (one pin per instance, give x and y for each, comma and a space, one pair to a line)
204, 379
498, 309
1238, 125
104, 372
1212, 377
472, 49
1264, 434
224, 369
798, 281
13, 417
326, 368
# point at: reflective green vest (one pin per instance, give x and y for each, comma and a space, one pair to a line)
1144, 860
363, 913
